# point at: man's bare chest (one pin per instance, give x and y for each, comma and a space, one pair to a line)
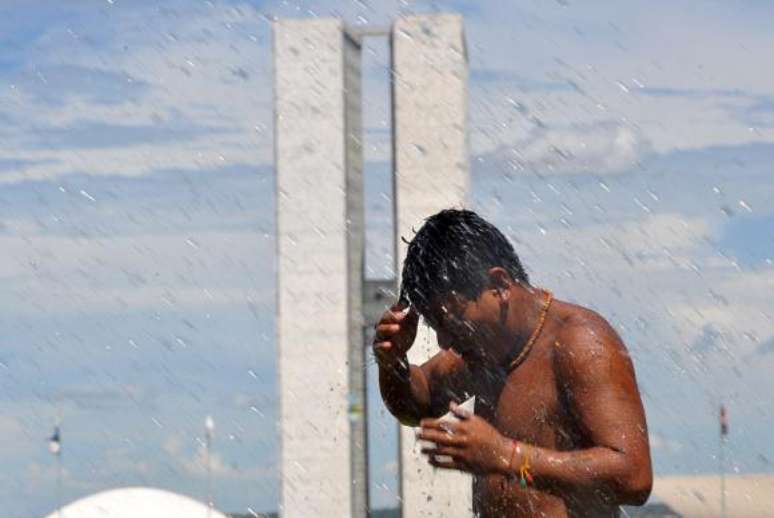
527, 404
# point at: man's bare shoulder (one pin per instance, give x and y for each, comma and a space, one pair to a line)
584, 336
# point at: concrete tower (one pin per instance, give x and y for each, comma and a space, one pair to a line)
431, 173
319, 169
322, 295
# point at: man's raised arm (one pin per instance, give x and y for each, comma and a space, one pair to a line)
404, 387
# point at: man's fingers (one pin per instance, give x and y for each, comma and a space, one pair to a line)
382, 346
386, 330
398, 313
399, 307
439, 437
440, 424
440, 450
391, 317
446, 463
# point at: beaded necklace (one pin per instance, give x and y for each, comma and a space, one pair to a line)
525, 350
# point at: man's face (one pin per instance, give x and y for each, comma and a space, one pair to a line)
464, 324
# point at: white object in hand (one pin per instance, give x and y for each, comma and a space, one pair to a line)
449, 417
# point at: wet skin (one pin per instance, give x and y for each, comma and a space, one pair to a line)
573, 404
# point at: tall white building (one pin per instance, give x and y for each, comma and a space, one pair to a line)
320, 236
431, 174
319, 170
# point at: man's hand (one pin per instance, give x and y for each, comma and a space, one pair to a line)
473, 444
395, 334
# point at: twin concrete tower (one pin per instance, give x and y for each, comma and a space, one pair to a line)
325, 306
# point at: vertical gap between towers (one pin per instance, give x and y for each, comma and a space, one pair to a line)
383, 474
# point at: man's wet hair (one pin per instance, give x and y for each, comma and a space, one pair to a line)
453, 251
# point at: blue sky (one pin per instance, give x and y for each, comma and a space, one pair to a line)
626, 151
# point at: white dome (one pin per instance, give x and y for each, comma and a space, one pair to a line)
134, 502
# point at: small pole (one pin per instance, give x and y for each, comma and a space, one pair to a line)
209, 426
59, 485
55, 447
722, 458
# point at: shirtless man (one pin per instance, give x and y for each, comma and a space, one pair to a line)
559, 428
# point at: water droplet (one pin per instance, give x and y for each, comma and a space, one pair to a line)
642, 205
519, 107
87, 195
604, 186
745, 206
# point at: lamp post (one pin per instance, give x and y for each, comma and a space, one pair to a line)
55, 447
722, 458
209, 427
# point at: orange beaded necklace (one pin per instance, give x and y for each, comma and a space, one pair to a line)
525, 350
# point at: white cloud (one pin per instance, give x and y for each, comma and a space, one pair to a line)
138, 272
745, 295
596, 148
207, 71
200, 153
593, 63
656, 242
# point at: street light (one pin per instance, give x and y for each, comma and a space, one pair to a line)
209, 427
55, 447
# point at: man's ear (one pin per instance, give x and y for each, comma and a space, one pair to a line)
501, 281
